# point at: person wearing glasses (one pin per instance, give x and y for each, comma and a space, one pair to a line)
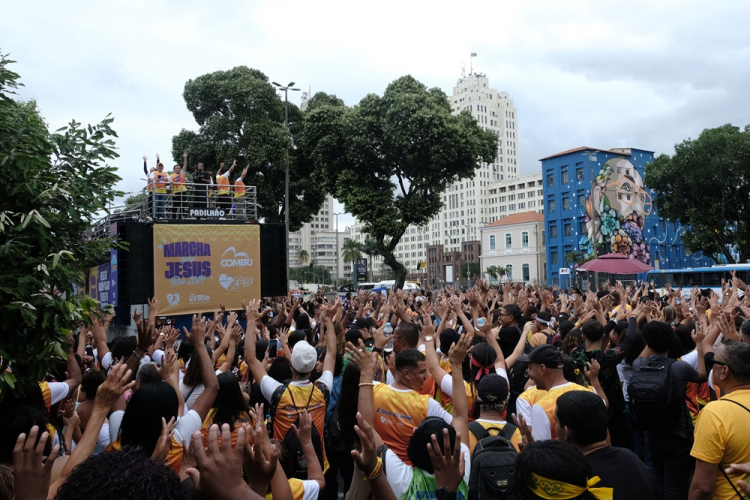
722, 436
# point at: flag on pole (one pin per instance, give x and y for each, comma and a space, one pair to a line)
473, 54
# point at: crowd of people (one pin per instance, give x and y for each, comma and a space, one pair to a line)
514, 391
221, 191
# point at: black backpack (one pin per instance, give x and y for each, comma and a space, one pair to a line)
652, 396
492, 463
291, 443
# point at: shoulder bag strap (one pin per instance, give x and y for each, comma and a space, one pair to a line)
739, 494
509, 430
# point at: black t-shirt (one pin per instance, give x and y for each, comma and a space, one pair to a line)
201, 177
623, 471
509, 337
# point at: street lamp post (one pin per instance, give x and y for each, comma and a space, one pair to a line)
337, 246
286, 90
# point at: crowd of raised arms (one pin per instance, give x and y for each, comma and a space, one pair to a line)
489, 392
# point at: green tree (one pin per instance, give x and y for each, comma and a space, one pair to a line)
240, 116
494, 272
303, 256
705, 186
470, 269
55, 185
351, 250
369, 248
134, 201
389, 159
318, 274
577, 257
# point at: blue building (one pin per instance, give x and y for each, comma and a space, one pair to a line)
595, 201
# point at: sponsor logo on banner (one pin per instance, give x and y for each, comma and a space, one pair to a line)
235, 258
231, 283
200, 298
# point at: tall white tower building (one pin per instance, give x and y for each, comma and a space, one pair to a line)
465, 202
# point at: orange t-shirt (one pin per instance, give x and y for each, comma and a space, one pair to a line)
287, 412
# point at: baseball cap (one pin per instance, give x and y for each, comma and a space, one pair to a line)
493, 388
545, 354
304, 357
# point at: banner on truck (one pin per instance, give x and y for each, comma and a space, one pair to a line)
199, 266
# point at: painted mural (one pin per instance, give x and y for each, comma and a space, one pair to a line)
616, 211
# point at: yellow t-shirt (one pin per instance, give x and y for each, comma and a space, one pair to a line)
397, 414
488, 424
548, 403
722, 436
290, 406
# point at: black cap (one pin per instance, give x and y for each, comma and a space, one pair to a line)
493, 388
545, 354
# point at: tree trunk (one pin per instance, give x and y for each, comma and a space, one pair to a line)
396, 266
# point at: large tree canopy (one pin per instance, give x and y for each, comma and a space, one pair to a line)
388, 159
240, 116
706, 187
54, 185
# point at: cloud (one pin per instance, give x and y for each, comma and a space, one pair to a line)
602, 74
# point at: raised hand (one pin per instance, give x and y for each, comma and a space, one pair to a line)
164, 444
165, 370
219, 471
31, 474
449, 465
592, 370
367, 458
460, 349
364, 360
114, 386
525, 429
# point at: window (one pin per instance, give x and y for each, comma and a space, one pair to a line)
581, 200
550, 180
526, 272
553, 255
564, 177
551, 206
582, 228
508, 241
566, 203
553, 231
525, 239
509, 272
568, 229
579, 174
492, 242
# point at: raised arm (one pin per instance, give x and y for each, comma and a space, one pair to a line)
304, 434
107, 394
329, 362
457, 354
255, 366
210, 383
185, 161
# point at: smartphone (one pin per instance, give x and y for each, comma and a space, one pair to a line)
273, 347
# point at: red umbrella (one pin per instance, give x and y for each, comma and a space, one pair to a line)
615, 263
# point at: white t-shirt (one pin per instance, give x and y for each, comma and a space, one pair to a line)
310, 490
107, 361
399, 474
446, 385
268, 385
58, 391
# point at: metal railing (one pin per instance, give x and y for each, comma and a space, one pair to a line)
199, 201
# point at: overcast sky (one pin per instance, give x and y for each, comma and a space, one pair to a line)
600, 74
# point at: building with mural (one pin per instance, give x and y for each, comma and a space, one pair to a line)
596, 203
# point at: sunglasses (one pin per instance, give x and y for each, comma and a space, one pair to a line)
721, 363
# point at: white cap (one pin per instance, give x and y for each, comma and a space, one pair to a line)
304, 357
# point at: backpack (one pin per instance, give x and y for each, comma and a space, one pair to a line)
652, 397
291, 443
492, 464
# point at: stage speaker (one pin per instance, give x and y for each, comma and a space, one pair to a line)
136, 263
273, 260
